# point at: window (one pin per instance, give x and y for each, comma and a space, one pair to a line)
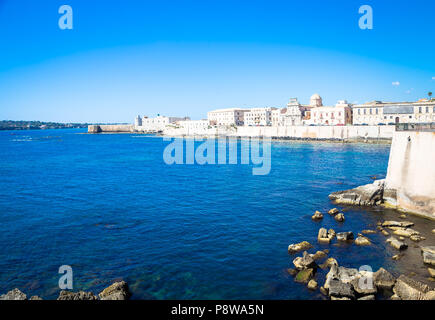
419, 109
427, 109
359, 111
377, 111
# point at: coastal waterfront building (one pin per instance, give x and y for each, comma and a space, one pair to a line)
227, 117
194, 125
258, 117
156, 124
338, 115
388, 113
295, 114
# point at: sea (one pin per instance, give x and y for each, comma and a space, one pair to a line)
111, 208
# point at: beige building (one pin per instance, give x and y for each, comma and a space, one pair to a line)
259, 117
384, 113
294, 114
227, 117
338, 115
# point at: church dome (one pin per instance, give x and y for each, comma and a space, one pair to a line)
316, 100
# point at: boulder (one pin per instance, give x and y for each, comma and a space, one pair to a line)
35, 298
397, 256
428, 254
322, 236
81, 295
339, 217
304, 262
383, 279
417, 238
367, 195
433, 230
319, 255
339, 289
333, 211
116, 291
294, 248
15, 294
331, 234
431, 272
397, 244
323, 291
317, 216
342, 274
363, 284
305, 275
401, 224
410, 289
328, 263
345, 236
338, 298
405, 232
370, 297
312, 285
362, 241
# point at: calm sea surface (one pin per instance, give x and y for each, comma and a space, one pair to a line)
109, 206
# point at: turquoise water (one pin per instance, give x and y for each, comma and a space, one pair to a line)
108, 206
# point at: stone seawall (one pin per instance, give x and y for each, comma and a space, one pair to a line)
411, 171
297, 132
410, 182
108, 128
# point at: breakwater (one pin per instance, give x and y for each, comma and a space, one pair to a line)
111, 128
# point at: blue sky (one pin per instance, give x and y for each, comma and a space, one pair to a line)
181, 58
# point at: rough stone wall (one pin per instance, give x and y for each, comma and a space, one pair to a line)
411, 171
311, 132
110, 128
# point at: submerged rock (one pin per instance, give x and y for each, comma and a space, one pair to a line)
295, 248
319, 255
116, 291
345, 236
370, 297
317, 216
339, 217
15, 294
81, 295
333, 211
368, 231
35, 298
400, 224
383, 279
362, 241
312, 285
397, 244
417, 238
304, 276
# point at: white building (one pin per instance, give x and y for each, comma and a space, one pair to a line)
226, 117
384, 113
259, 117
155, 124
338, 115
194, 125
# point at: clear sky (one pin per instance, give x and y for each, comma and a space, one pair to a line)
178, 58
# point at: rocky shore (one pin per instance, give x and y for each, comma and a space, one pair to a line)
116, 291
348, 283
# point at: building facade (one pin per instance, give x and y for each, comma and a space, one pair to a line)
338, 115
194, 125
388, 113
259, 117
155, 124
227, 117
